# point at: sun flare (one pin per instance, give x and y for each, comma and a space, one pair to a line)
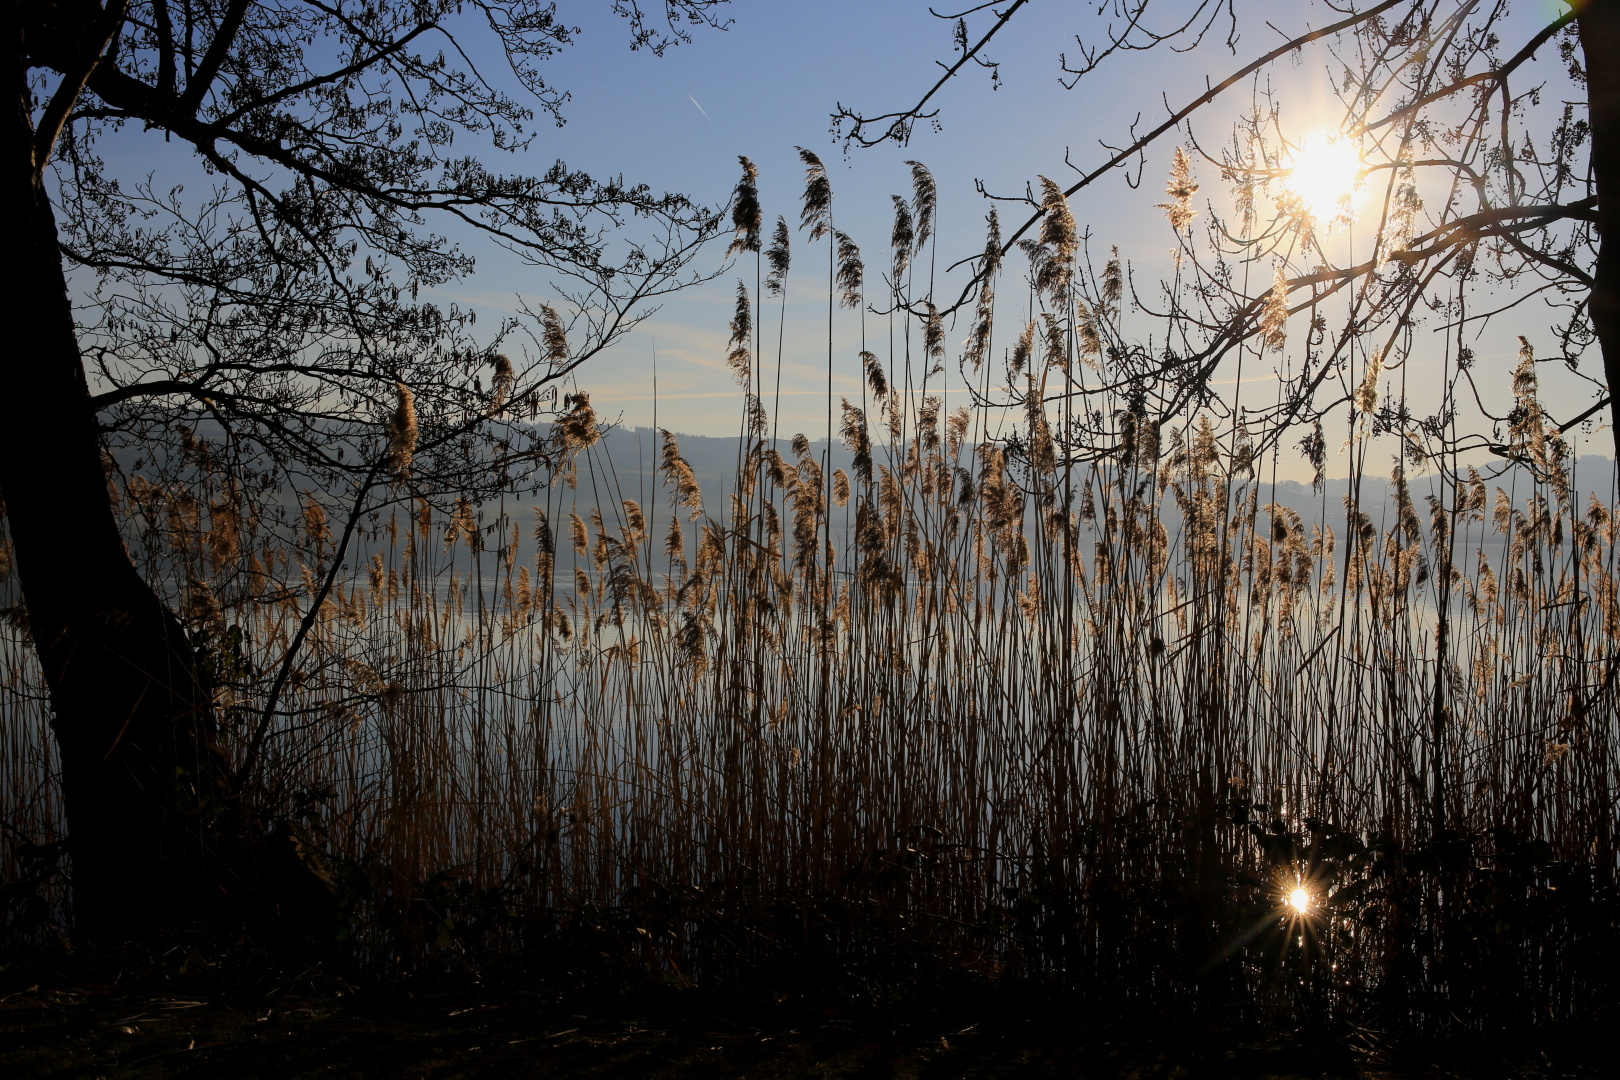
1323, 174
1300, 900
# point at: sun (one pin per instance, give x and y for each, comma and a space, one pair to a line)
1323, 173
1300, 900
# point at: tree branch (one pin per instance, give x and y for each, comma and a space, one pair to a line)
74, 81
900, 130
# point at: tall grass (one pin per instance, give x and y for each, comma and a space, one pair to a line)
985, 712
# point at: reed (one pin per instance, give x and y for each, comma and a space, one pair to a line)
1087, 724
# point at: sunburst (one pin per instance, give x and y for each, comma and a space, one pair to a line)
1323, 174
1300, 900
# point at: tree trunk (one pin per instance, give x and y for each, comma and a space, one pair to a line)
1599, 24
130, 711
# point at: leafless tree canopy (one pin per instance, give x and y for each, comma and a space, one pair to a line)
1478, 158
282, 300
256, 311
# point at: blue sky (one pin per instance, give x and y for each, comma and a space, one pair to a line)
770, 81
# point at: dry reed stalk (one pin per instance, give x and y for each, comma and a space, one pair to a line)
942, 728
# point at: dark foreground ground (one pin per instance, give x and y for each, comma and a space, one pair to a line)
130, 1026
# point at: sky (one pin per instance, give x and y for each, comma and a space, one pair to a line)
768, 83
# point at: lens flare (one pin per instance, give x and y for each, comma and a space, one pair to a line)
1300, 900
1323, 174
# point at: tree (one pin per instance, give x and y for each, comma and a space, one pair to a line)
281, 306
1493, 178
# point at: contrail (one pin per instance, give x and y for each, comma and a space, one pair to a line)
694, 101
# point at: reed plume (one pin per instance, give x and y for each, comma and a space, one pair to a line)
1181, 188
553, 336
742, 329
1057, 245
678, 474
1274, 313
402, 432
778, 257
746, 215
815, 212
924, 201
501, 383
901, 237
851, 271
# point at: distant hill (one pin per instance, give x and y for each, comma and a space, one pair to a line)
629, 456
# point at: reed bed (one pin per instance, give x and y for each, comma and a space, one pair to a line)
965, 707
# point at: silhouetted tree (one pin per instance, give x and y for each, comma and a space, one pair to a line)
274, 299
